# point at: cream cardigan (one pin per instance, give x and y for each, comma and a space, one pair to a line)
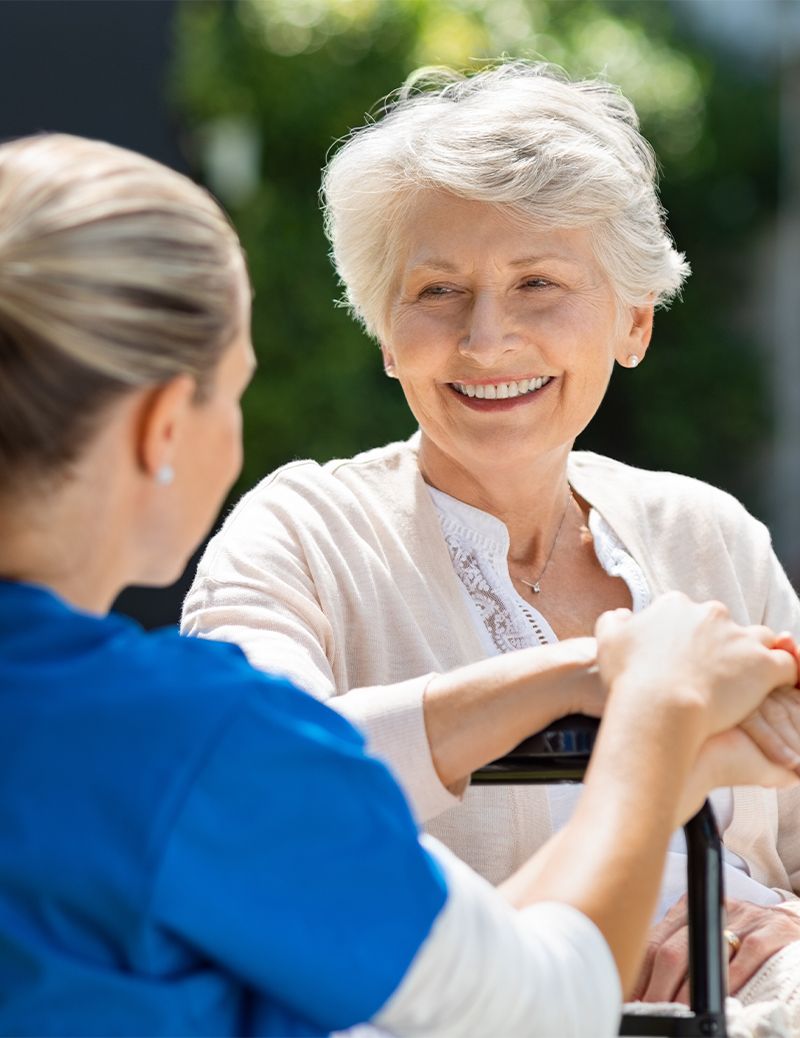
338, 576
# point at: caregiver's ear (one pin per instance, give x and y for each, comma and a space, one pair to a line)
161, 423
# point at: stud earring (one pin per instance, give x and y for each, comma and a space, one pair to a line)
165, 475
633, 360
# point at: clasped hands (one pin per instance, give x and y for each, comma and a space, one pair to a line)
744, 680
733, 668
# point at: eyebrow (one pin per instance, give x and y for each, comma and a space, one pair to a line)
531, 261
435, 264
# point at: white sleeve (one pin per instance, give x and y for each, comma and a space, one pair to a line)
486, 969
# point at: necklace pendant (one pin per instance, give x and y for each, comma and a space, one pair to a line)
536, 588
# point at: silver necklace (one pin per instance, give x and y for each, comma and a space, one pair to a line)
535, 585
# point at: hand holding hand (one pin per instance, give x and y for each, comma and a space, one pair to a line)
730, 759
679, 651
775, 725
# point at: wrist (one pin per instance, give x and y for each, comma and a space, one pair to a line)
675, 711
573, 680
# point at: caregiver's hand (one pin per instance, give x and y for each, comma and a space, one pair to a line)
762, 931
730, 759
679, 650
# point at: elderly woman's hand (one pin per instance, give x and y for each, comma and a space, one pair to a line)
762, 931
680, 650
730, 759
775, 726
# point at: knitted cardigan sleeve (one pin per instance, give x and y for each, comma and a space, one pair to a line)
266, 584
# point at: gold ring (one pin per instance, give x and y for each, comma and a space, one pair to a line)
733, 939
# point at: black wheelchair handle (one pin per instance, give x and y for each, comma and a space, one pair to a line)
560, 753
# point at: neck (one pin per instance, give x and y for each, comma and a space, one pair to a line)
71, 539
530, 500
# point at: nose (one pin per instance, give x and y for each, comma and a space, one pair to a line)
490, 331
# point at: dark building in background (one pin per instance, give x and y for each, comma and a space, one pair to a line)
97, 69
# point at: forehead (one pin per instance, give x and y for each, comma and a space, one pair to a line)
442, 231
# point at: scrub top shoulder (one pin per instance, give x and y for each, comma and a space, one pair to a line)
189, 846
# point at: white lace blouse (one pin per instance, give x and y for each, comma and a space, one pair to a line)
478, 546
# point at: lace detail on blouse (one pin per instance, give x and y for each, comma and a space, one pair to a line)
505, 634
478, 547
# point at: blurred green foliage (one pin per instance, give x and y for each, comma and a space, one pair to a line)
292, 76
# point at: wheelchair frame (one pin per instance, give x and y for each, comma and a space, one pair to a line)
560, 753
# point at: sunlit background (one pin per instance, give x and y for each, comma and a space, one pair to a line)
254, 93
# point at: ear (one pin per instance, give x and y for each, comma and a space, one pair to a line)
636, 329
388, 361
161, 422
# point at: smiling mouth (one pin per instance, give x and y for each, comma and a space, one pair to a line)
502, 390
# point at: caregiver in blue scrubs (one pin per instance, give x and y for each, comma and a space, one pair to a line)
188, 846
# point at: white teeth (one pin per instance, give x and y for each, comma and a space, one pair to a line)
502, 390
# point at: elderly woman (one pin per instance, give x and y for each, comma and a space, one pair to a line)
502, 239
190, 846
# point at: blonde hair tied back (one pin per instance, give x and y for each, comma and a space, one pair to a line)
115, 273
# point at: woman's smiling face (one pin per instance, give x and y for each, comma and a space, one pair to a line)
502, 335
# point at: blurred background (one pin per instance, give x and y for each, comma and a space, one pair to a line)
250, 95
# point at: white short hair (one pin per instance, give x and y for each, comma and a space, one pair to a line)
520, 135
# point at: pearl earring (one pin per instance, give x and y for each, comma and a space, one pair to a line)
165, 475
633, 360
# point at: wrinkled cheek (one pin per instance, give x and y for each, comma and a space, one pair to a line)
432, 409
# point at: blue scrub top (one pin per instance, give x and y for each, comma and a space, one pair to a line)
187, 846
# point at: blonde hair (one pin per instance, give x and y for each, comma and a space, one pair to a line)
522, 136
115, 273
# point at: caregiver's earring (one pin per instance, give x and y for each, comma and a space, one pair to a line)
633, 360
165, 475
